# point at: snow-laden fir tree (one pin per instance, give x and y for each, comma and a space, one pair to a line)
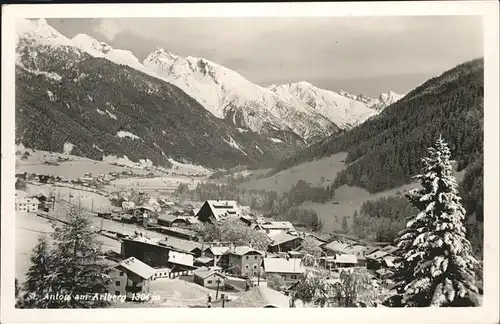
35, 287
78, 266
437, 266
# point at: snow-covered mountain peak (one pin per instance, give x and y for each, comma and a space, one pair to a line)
39, 30
91, 45
101, 49
160, 55
228, 95
347, 95
303, 84
385, 99
363, 98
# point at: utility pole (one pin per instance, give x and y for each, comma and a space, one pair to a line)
92, 204
217, 293
223, 300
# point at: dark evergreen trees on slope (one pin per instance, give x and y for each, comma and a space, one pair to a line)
345, 225
384, 151
437, 266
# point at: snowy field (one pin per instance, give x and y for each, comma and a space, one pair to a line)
319, 173
87, 200
75, 168
168, 183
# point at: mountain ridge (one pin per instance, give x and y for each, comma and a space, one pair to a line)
66, 98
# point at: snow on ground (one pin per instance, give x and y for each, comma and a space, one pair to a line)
51, 95
111, 115
75, 168
85, 198
97, 147
258, 148
124, 161
156, 184
104, 112
49, 75
241, 130
233, 143
187, 167
275, 140
68, 147
123, 134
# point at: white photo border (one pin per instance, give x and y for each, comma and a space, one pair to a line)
488, 313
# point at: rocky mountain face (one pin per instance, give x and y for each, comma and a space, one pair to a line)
228, 95
69, 99
183, 98
342, 108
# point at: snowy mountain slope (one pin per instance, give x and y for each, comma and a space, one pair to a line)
342, 108
101, 49
226, 93
39, 30
382, 101
66, 95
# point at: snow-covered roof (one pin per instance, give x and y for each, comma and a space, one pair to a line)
242, 250
278, 225
346, 258
223, 209
138, 267
180, 258
217, 250
390, 260
203, 259
279, 265
353, 249
206, 272
336, 246
281, 238
389, 249
377, 255
261, 296
179, 244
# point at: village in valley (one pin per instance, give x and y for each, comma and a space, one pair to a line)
152, 241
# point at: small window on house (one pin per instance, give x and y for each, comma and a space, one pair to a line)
246, 258
246, 266
209, 282
117, 283
255, 257
117, 293
255, 266
121, 273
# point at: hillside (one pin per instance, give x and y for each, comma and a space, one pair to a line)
318, 173
69, 101
385, 151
